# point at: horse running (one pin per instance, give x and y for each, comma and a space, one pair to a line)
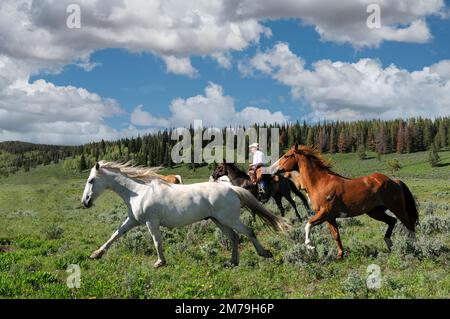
279, 189
334, 196
154, 202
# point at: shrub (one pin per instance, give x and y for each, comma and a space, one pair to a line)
137, 283
429, 208
433, 249
434, 224
425, 248
40, 278
298, 255
354, 286
209, 249
394, 166
221, 238
296, 234
350, 222
53, 232
139, 241
275, 243
301, 256
362, 249
316, 271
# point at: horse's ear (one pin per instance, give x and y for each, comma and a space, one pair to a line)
295, 147
97, 166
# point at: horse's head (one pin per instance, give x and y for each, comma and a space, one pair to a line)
95, 186
288, 162
221, 170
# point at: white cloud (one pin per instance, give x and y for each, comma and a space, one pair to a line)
180, 66
345, 20
214, 108
45, 113
174, 30
36, 31
340, 90
223, 59
140, 117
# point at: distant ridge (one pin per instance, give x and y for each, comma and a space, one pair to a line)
17, 147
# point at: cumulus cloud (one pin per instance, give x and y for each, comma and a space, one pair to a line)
43, 112
175, 30
180, 66
140, 117
214, 108
340, 90
344, 21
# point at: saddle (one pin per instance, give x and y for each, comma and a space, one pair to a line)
253, 176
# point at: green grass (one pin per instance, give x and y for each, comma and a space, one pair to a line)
44, 229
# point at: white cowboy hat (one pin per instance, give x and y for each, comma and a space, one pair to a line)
256, 145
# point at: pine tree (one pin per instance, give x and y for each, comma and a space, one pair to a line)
433, 156
82, 165
382, 145
342, 143
332, 148
310, 137
362, 155
394, 166
442, 132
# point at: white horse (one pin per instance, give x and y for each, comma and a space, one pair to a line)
222, 179
154, 202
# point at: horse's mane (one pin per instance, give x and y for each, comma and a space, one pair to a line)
240, 172
314, 154
140, 173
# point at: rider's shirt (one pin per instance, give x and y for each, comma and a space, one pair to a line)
258, 158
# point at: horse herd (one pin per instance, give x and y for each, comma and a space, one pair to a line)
154, 200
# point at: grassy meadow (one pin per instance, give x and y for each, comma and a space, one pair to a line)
43, 229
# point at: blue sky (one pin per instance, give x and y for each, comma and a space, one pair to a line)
285, 65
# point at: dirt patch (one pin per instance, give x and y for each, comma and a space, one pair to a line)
4, 249
4, 245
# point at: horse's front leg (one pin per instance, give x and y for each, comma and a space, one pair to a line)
317, 219
155, 231
126, 226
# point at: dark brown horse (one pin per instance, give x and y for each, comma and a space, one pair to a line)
278, 190
334, 196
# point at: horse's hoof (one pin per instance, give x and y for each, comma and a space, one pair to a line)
231, 264
159, 263
267, 254
97, 254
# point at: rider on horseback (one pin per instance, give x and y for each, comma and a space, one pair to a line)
257, 170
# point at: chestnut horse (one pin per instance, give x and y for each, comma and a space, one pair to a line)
172, 179
334, 196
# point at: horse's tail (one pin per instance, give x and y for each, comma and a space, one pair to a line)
249, 201
178, 177
410, 205
295, 190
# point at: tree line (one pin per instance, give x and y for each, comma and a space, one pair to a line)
380, 136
